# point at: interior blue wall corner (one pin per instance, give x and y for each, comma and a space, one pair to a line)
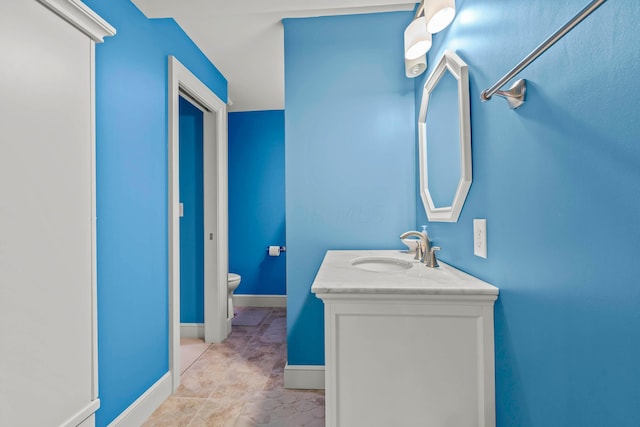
256, 200
132, 200
349, 153
191, 121
558, 181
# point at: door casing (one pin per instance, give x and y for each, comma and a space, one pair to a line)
217, 323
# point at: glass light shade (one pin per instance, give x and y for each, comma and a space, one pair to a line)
417, 41
439, 14
414, 67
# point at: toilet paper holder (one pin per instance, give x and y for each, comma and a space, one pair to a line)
282, 249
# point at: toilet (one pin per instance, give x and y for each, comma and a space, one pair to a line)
233, 280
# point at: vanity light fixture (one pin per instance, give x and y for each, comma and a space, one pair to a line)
417, 41
439, 14
414, 67
431, 17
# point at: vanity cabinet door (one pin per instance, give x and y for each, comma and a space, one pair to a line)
409, 363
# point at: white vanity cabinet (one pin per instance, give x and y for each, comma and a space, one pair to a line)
48, 339
406, 349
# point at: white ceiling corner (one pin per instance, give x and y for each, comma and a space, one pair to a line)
245, 40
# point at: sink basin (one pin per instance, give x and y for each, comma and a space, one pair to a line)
381, 263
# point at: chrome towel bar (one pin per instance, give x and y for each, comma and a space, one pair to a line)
515, 95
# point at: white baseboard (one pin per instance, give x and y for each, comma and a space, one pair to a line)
84, 417
304, 377
192, 330
89, 422
136, 414
260, 300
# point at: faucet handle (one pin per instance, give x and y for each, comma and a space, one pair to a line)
419, 251
431, 260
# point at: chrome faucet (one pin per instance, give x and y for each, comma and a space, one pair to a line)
425, 253
423, 246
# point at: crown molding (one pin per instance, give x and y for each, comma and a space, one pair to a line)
82, 17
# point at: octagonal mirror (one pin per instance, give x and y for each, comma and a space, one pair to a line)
444, 133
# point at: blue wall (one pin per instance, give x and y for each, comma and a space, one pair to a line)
559, 183
131, 107
256, 200
192, 221
350, 151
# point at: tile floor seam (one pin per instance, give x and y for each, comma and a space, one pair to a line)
189, 397
196, 414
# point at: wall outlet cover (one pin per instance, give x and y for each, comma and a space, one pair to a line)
480, 237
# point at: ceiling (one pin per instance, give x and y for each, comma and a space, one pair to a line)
245, 39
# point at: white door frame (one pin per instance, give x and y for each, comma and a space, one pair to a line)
216, 320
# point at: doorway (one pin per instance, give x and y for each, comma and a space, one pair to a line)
214, 232
191, 165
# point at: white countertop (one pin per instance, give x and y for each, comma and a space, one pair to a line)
337, 275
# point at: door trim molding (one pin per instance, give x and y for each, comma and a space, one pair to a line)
216, 321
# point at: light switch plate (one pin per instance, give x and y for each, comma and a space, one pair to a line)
181, 208
480, 237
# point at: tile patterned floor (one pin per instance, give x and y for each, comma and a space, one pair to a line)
240, 383
190, 350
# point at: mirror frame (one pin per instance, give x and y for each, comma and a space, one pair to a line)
458, 68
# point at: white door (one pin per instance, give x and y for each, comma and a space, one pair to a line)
47, 293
